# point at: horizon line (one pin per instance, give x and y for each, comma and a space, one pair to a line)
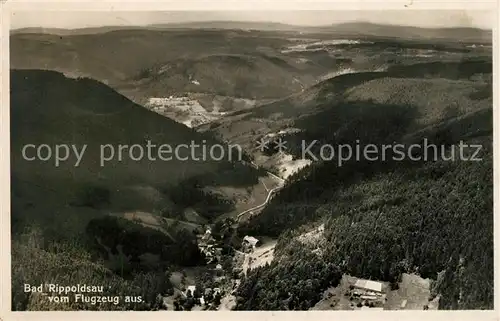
251, 22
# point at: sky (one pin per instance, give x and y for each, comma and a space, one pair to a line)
420, 18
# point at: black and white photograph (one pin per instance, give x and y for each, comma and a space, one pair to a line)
251, 160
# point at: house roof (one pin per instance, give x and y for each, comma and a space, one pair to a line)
191, 288
250, 239
207, 237
369, 285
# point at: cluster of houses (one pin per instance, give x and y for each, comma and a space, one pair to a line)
182, 109
205, 298
208, 246
181, 103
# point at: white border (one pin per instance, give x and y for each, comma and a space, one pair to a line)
255, 5
106, 5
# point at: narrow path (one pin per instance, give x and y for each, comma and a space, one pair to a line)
270, 192
282, 180
261, 205
277, 177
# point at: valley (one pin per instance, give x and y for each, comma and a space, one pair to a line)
273, 230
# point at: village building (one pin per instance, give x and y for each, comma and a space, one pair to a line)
219, 271
209, 257
368, 289
250, 243
206, 245
369, 297
368, 286
190, 288
207, 237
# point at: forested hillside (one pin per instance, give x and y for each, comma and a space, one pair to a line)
76, 222
387, 217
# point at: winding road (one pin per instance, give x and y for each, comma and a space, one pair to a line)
267, 199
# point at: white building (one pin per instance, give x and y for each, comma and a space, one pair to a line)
191, 288
251, 241
368, 286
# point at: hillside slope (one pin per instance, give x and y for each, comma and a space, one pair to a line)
204, 54
50, 109
71, 215
253, 76
330, 107
385, 217
250, 64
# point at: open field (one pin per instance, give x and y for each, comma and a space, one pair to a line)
260, 256
413, 294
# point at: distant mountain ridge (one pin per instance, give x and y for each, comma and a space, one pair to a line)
70, 32
410, 32
349, 28
242, 25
